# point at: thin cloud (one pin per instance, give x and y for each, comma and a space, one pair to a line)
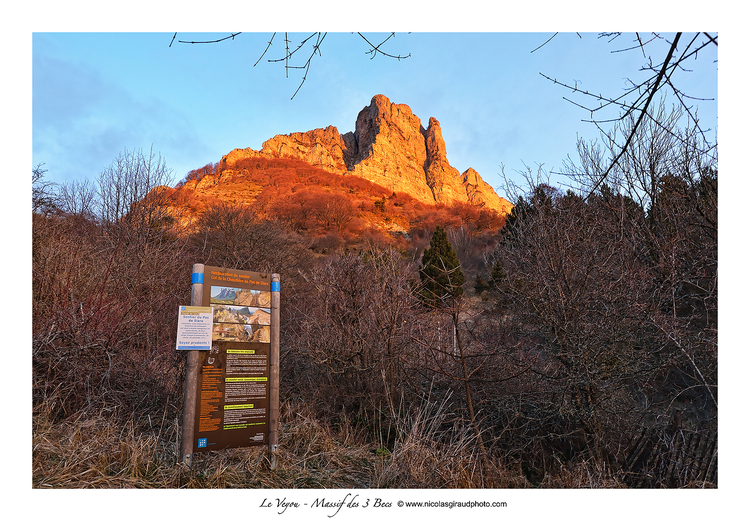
78, 114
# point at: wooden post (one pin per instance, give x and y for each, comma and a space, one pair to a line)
273, 413
191, 377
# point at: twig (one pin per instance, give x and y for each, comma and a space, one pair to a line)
376, 48
231, 36
266, 50
545, 43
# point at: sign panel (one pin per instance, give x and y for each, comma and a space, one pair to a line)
234, 374
194, 328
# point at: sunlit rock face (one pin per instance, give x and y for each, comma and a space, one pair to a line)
389, 147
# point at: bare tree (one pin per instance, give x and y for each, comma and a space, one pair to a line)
125, 184
636, 101
77, 198
333, 211
42, 191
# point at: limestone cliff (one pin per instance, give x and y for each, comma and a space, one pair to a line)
389, 147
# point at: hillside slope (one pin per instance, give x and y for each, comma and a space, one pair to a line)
315, 202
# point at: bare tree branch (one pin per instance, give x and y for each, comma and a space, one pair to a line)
375, 49
290, 54
230, 37
714, 40
545, 43
266, 50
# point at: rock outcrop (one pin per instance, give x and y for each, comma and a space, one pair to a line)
389, 147
323, 147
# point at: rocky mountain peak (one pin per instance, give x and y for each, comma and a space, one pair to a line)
389, 147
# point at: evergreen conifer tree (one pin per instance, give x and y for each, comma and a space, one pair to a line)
498, 273
441, 275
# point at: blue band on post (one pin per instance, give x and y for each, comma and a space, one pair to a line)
197, 278
275, 286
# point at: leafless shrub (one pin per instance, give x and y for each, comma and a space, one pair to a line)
126, 183
351, 318
232, 235
610, 305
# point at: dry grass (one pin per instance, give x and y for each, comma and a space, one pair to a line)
421, 459
99, 451
586, 474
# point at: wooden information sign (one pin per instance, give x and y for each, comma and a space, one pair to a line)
231, 397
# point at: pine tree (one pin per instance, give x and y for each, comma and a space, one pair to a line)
441, 275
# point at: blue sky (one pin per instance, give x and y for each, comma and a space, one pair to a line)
96, 94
